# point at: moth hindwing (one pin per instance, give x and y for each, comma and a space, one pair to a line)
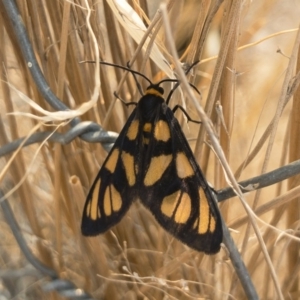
152, 161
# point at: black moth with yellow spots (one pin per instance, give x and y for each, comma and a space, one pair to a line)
152, 161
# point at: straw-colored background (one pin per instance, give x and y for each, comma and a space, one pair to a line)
137, 259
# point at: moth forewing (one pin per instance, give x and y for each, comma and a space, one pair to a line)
174, 188
112, 192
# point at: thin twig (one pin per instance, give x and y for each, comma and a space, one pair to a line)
238, 264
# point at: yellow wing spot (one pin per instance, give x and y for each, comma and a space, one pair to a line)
116, 199
146, 141
177, 205
169, 204
158, 165
93, 208
196, 224
133, 130
183, 210
112, 200
203, 213
107, 202
147, 127
128, 162
112, 161
183, 166
212, 224
162, 131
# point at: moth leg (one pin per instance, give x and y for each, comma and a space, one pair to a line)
123, 101
185, 113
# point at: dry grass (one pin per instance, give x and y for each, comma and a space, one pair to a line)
137, 259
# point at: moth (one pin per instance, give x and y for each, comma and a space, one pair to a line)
152, 161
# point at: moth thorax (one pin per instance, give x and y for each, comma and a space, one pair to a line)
149, 107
